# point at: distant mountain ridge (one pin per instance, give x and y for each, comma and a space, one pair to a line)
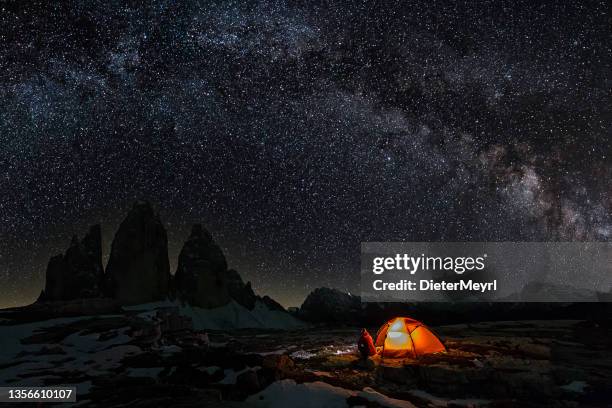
138, 269
334, 307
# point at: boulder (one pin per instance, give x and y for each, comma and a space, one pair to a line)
279, 366
138, 269
397, 374
201, 275
78, 273
247, 383
172, 321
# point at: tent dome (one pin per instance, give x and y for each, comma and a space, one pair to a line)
406, 337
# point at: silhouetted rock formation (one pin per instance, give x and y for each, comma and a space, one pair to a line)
138, 269
202, 278
54, 280
239, 291
77, 273
272, 304
331, 305
535, 291
201, 275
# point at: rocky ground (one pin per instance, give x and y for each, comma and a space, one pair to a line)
125, 359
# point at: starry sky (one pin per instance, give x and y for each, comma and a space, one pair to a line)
295, 130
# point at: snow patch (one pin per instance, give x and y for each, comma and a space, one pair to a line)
575, 386
170, 350
82, 352
303, 355
230, 316
438, 402
273, 353
209, 370
231, 376
88, 343
374, 396
287, 393
11, 336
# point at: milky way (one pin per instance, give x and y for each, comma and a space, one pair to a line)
296, 131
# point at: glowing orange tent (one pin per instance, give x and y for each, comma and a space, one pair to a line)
406, 337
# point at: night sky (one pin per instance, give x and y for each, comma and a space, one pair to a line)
296, 130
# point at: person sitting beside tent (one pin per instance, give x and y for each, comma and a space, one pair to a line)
365, 345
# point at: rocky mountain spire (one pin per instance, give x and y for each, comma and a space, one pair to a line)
77, 273
138, 269
239, 291
201, 275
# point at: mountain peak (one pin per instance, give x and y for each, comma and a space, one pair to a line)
138, 269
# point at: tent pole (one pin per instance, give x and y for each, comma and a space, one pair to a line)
412, 341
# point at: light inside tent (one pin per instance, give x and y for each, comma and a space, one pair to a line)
398, 326
397, 336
